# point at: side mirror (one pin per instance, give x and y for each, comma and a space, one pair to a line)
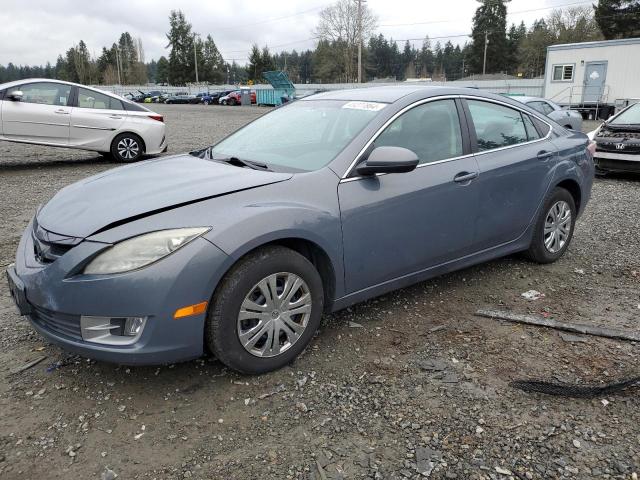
388, 160
15, 95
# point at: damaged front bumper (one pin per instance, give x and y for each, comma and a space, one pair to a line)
95, 315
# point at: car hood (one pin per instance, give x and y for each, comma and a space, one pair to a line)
138, 190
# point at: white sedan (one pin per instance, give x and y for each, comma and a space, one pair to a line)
567, 118
64, 114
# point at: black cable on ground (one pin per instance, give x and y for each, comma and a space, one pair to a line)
575, 391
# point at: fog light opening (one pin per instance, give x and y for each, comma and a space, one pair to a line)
133, 326
112, 330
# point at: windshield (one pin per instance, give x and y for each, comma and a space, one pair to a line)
630, 116
305, 135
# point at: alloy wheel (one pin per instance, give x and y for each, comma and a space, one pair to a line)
274, 314
128, 148
557, 226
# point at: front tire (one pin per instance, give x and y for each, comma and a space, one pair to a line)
554, 227
265, 310
127, 148
231, 101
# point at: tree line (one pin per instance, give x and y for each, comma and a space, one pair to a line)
518, 50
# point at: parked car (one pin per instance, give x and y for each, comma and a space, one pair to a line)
145, 97
63, 114
315, 206
618, 142
182, 98
234, 98
204, 98
215, 96
567, 118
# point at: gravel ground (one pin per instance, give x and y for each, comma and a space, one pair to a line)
408, 385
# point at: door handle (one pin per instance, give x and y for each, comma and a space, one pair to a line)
115, 117
465, 177
62, 112
543, 155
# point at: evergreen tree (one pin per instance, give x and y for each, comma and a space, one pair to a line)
490, 22
213, 63
426, 60
162, 70
181, 66
618, 18
514, 39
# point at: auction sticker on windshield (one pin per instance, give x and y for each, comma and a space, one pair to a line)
371, 106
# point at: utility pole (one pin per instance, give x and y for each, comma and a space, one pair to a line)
360, 40
118, 64
195, 54
486, 43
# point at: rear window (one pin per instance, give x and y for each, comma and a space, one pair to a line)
134, 107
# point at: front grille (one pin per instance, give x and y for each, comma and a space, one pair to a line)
49, 246
632, 148
619, 165
61, 323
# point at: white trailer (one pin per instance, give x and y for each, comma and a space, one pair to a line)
593, 77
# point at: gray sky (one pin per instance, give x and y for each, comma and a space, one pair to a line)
36, 31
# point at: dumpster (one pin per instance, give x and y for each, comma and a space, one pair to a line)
283, 89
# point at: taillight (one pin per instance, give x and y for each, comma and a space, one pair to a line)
592, 148
159, 118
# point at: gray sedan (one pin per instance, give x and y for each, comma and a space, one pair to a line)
336, 198
567, 118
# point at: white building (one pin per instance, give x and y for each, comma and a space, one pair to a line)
593, 76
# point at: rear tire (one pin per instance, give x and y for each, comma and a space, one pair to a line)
127, 148
239, 308
554, 227
231, 101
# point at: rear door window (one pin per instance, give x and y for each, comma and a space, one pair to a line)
496, 125
532, 132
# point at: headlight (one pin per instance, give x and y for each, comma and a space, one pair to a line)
142, 250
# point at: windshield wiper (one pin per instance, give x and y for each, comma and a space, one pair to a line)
238, 162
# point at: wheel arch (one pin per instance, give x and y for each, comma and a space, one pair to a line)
309, 249
130, 132
573, 187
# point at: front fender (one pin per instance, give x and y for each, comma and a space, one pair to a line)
259, 224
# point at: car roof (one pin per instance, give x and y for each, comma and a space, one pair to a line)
62, 82
525, 99
393, 93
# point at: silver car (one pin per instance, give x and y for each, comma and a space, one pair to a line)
62, 114
567, 118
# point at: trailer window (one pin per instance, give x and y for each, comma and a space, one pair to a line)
563, 73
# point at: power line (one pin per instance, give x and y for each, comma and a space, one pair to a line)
273, 46
508, 13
